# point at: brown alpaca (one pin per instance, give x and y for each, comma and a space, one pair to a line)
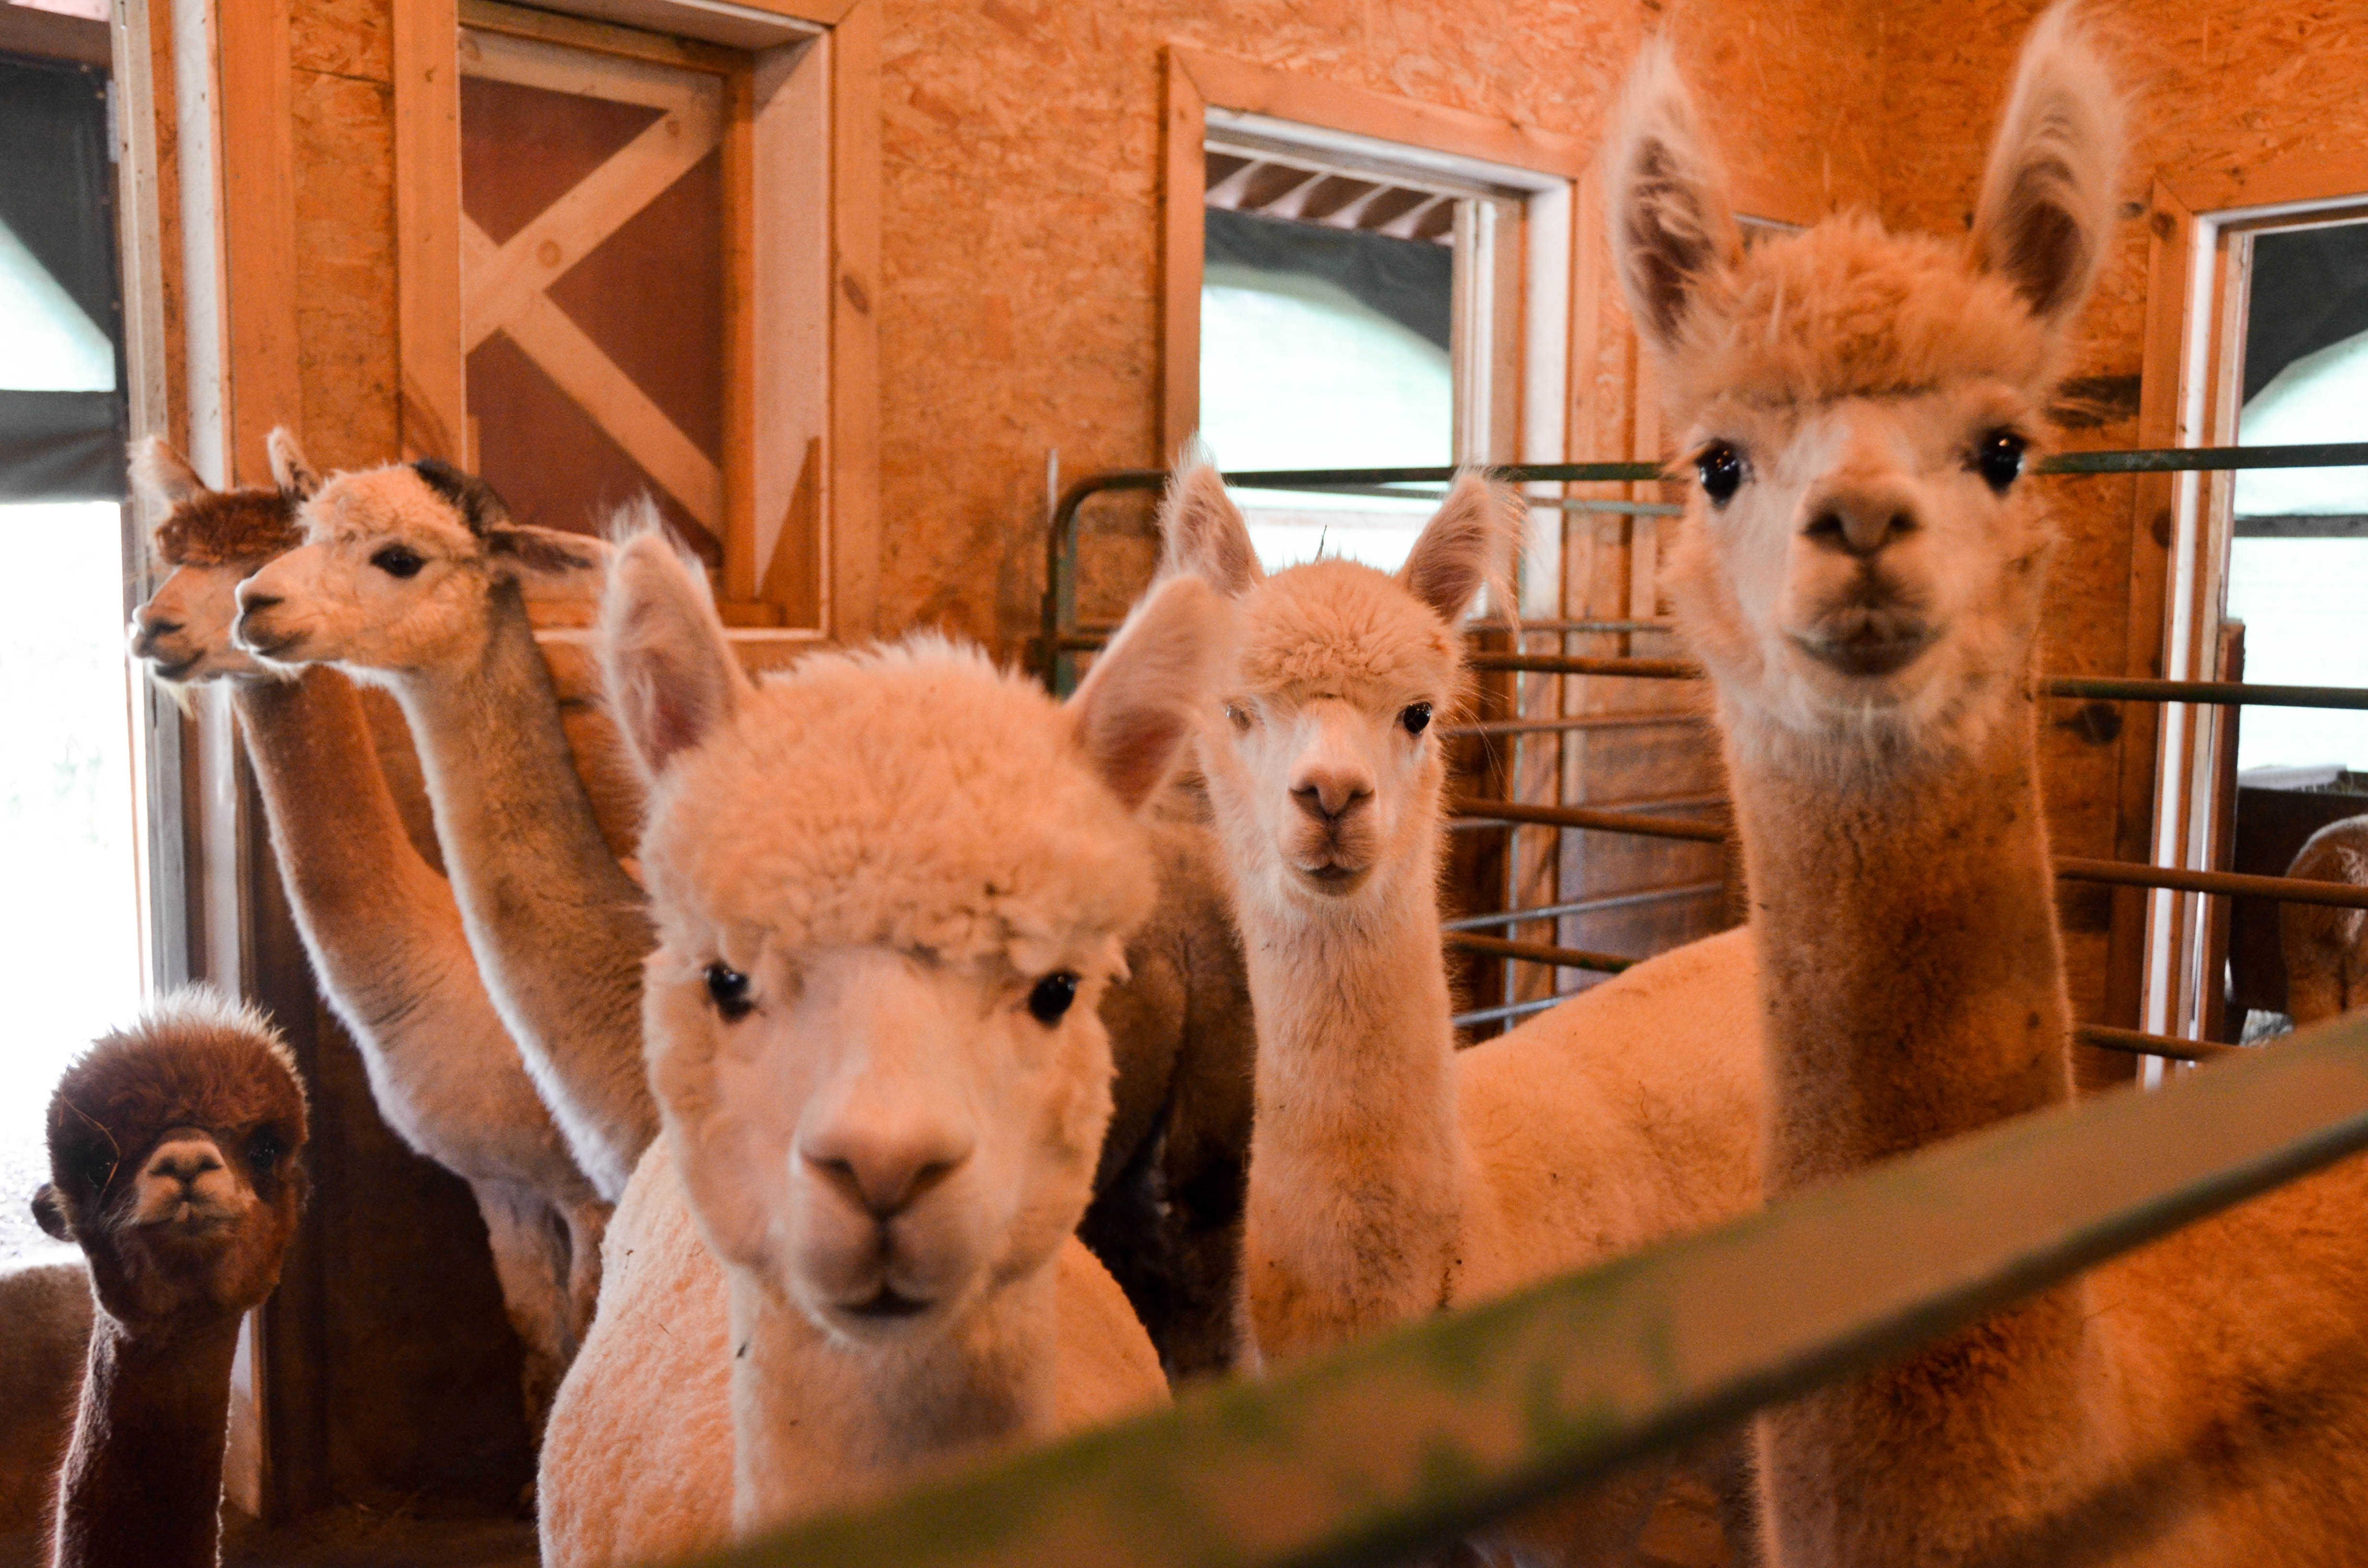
378, 923
175, 1165
1861, 569
2326, 949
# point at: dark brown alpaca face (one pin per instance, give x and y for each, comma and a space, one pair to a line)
175, 1162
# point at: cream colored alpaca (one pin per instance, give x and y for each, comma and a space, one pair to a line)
2326, 949
1391, 1175
1861, 569
413, 576
378, 924
890, 889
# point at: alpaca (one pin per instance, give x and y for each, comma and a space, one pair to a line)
47, 1307
1861, 569
1390, 1175
411, 576
889, 887
377, 922
2326, 949
174, 1162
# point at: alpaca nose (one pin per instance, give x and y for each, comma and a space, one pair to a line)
884, 1170
250, 603
184, 1160
1329, 794
1860, 525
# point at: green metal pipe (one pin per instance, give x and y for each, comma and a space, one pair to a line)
1402, 1442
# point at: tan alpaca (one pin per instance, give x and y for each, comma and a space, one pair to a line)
889, 887
2326, 949
174, 1162
378, 924
411, 577
1391, 1175
1860, 567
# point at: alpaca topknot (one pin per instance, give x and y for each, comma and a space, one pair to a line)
228, 527
911, 795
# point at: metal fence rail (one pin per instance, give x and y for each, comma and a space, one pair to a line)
1404, 1440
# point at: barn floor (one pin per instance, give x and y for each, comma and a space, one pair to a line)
361, 1538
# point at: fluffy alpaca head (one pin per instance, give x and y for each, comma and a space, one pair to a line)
1323, 765
396, 568
889, 887
175, 1161
212, 539
1862, 556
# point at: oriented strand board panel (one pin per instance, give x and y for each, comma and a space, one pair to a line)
1019, 293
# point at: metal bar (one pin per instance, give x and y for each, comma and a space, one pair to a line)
1597, 818
1581, 906
2216, 693
2220, 693
1565, 664
2188, 459
2137, 1042
1581, 721
1412, 1438
1510, 1011
2284, 890
1539, 952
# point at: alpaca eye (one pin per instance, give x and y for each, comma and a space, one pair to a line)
1415, 717
1722, 473
99, 1170
728, 989
263, 1150
1998, 458
1052, 996
1239, 716
399, 561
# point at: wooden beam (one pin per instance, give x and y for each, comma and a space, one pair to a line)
261, 356
433, 365
605, 38
853, 569
46, 35
740, 198
1183, 243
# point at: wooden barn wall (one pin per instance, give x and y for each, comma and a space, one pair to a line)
1020, 299
2215, 91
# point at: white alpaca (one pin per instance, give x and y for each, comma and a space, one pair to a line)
1860, 568
890, 888
377, 922
1390, 1175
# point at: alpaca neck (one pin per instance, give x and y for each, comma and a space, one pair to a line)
1910, 969
1913, 989
141, 1481
818, 1422
558, 928
378, 922
1355, 1159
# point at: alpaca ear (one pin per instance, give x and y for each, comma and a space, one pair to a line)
551, 567
1671, 227
1203, 531
1144, 693
295, 477
670, 675
163, 476
2046, 208
50, 1213
1468, 541
480, 506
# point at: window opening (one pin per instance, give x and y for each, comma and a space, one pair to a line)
1349, 319
70, 943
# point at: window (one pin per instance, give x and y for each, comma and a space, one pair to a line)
1355, 306
2298, 557
70, 943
